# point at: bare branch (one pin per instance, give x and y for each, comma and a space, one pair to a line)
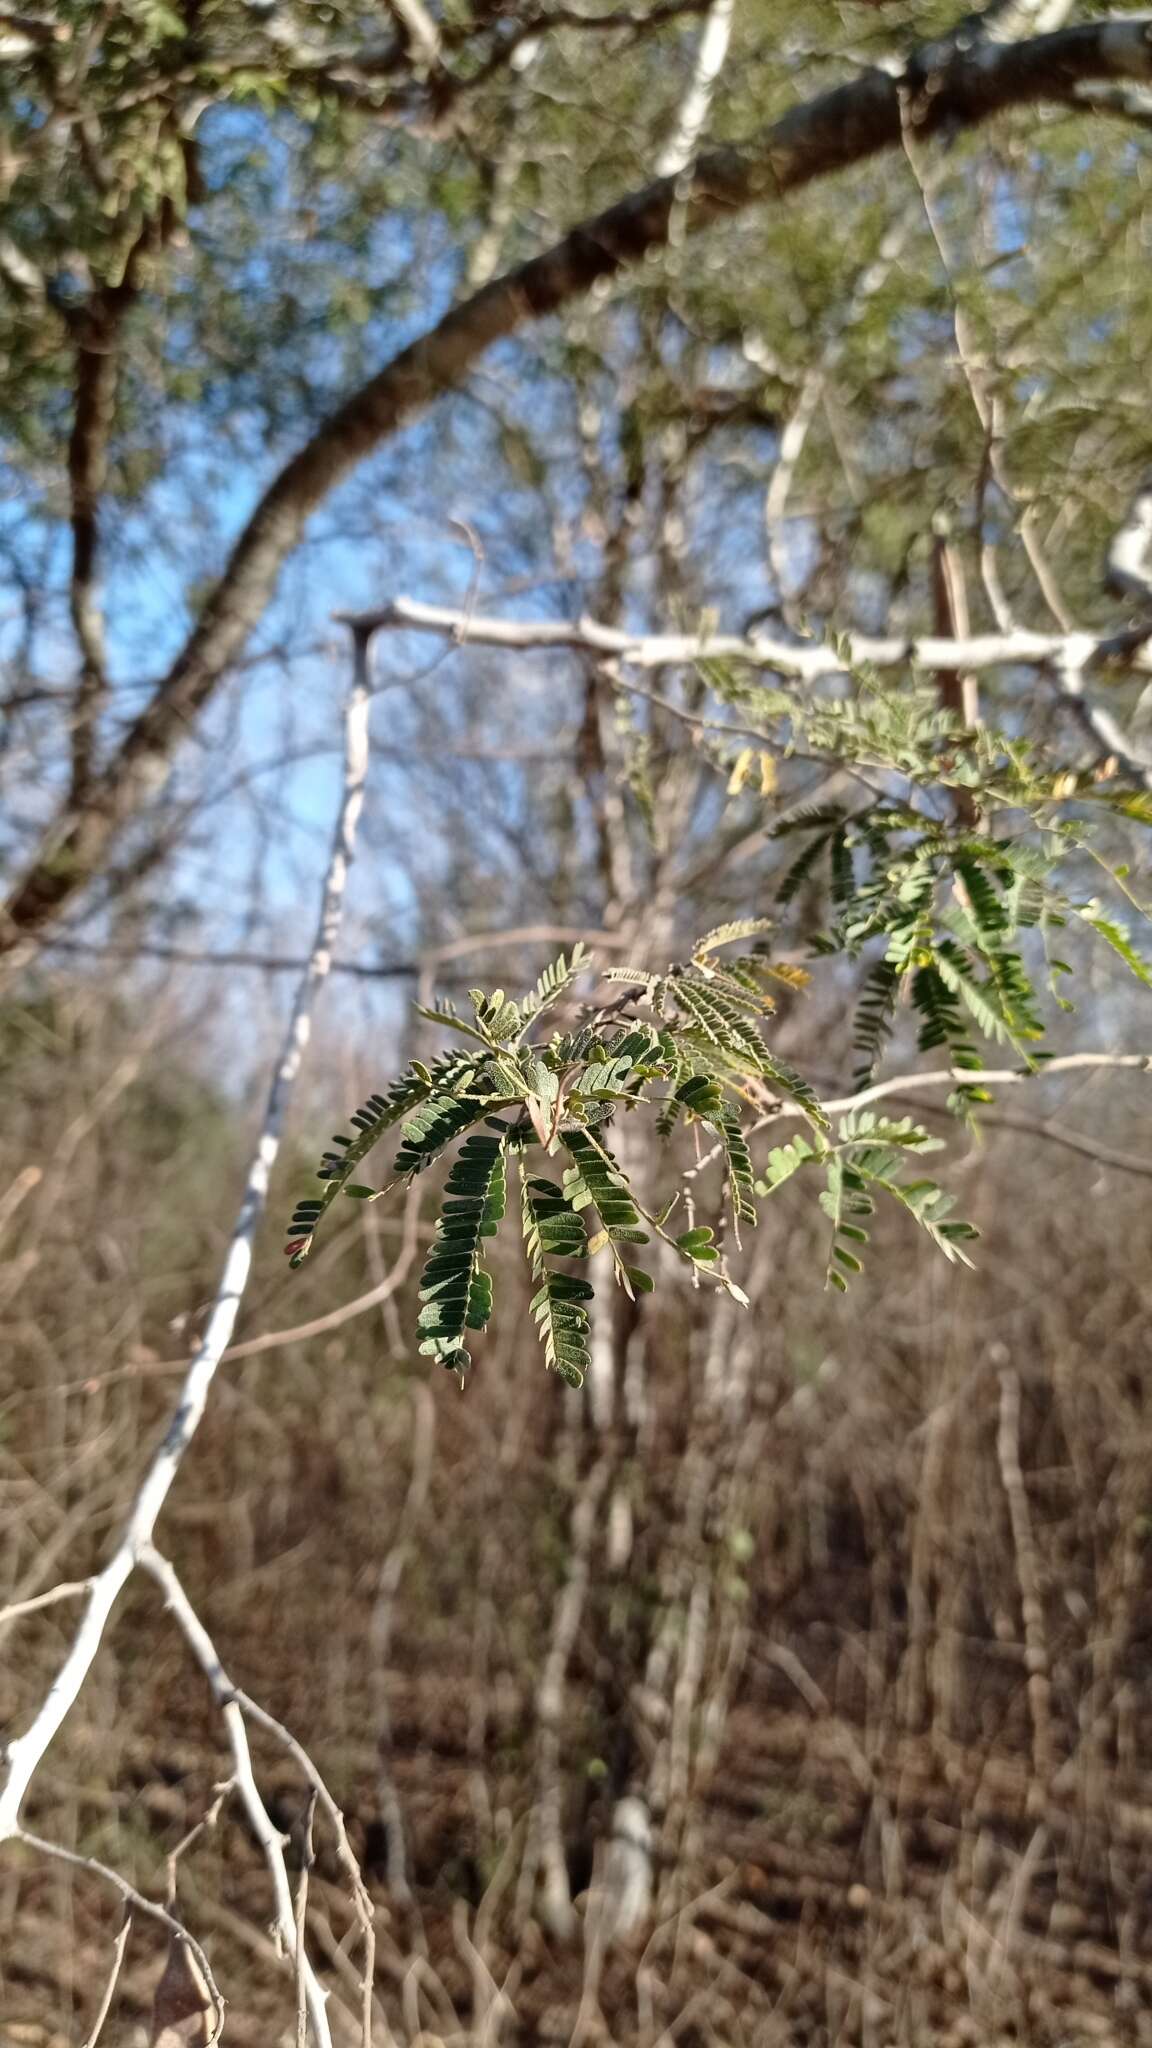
1135, 1163
711, 51
807, 661
97, 375
105, 2007
27, 1751
899, 1086
385, 970
139, 1903
288, 1928
964, 85
990, 1077
96, 332
1130, 555
69, 1589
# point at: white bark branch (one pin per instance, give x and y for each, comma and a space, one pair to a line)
268, 1836
1067, 657
1130, 555
804, 661
26, 1753
950, 1077
991, 1077
711, 52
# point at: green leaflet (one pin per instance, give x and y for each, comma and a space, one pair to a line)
872, 1024
783, 1162
595, 1180
369, 1123
455, 1292
727, 934
554, 1229
627, 1058
555, 981
847, 1202
741, 1181
433, 1126
870, 1158
1114, 934
562, 1320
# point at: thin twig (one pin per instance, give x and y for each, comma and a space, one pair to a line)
231, 1696
306, 1860
69, 1589
57, 1853
203, 1826
692, 115
385, 970
948, 1077
118, 1948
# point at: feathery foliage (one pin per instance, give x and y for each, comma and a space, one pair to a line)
688, 1046
946, 887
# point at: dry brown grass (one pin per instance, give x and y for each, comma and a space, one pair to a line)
855, 1595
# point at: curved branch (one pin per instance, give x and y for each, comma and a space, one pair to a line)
963, 84
137, 1902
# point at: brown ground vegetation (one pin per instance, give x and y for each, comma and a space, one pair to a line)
854, 1596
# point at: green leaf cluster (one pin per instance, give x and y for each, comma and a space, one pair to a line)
688, 1047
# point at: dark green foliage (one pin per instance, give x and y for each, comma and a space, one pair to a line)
947, 904
697, 1056
554, 1229
433, 1126
741, 1180
455, 1291
370, 1122
594, 1179
942, 910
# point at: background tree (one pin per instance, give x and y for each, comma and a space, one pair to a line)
769, 1628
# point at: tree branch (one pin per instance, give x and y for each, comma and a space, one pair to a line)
991, 1077
1130, 555
902, 1085
96, 332
363, 970
288, 1932
694, 108
138, 1903
26, 1752
805, 661
962, 87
